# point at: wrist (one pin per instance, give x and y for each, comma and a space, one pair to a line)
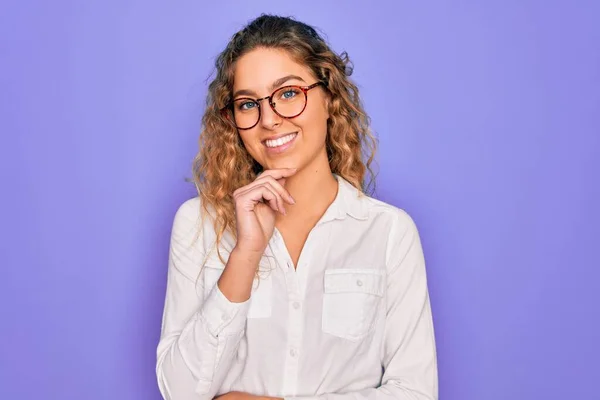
236, 280
246, 256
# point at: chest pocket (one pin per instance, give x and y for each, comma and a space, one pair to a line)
351, 299
262, 289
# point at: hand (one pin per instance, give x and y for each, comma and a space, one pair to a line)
243, 396
255, 208
236, 396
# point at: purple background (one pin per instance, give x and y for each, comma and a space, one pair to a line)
488, 117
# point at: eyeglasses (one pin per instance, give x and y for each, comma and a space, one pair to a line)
287, 102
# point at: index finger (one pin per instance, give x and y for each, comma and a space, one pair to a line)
278, 173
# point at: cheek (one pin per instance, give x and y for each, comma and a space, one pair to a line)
316, 109
248, 141
314, 123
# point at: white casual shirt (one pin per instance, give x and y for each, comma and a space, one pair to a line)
351, 322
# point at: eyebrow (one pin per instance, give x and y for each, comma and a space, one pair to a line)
274, 85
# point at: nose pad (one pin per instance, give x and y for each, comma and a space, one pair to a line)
269, 117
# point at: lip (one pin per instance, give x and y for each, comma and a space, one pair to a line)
277, 136
283, 147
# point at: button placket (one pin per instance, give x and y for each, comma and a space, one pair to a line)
296, 287
295, 327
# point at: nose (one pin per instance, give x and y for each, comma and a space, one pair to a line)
269, 118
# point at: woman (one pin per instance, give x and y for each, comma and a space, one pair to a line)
284, 279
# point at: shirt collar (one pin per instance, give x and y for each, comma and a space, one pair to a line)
348, 201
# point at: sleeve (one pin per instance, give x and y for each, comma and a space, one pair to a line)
199, 337
410, 362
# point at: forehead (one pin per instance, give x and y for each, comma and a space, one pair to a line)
258, 69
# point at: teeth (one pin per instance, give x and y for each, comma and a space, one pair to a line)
281, 141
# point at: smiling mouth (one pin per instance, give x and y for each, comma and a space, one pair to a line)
274, 143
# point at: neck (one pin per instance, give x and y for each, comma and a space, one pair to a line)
313, 187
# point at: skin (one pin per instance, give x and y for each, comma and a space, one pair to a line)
254, 73
297, 185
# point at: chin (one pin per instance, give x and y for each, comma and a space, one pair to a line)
281, 164
287, 161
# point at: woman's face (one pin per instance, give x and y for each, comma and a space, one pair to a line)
277, 142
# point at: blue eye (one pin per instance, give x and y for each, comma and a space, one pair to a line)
246, 105
289, 93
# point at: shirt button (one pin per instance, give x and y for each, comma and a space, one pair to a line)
296, 305
293, 353
359, 283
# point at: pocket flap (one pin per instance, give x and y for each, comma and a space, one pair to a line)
370, 281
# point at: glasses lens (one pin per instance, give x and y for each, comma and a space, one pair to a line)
245, 113
289, 101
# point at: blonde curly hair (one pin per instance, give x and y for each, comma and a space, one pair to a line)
223, 164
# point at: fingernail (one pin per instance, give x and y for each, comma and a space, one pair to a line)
292, 199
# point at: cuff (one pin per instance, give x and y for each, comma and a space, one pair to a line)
223, 317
